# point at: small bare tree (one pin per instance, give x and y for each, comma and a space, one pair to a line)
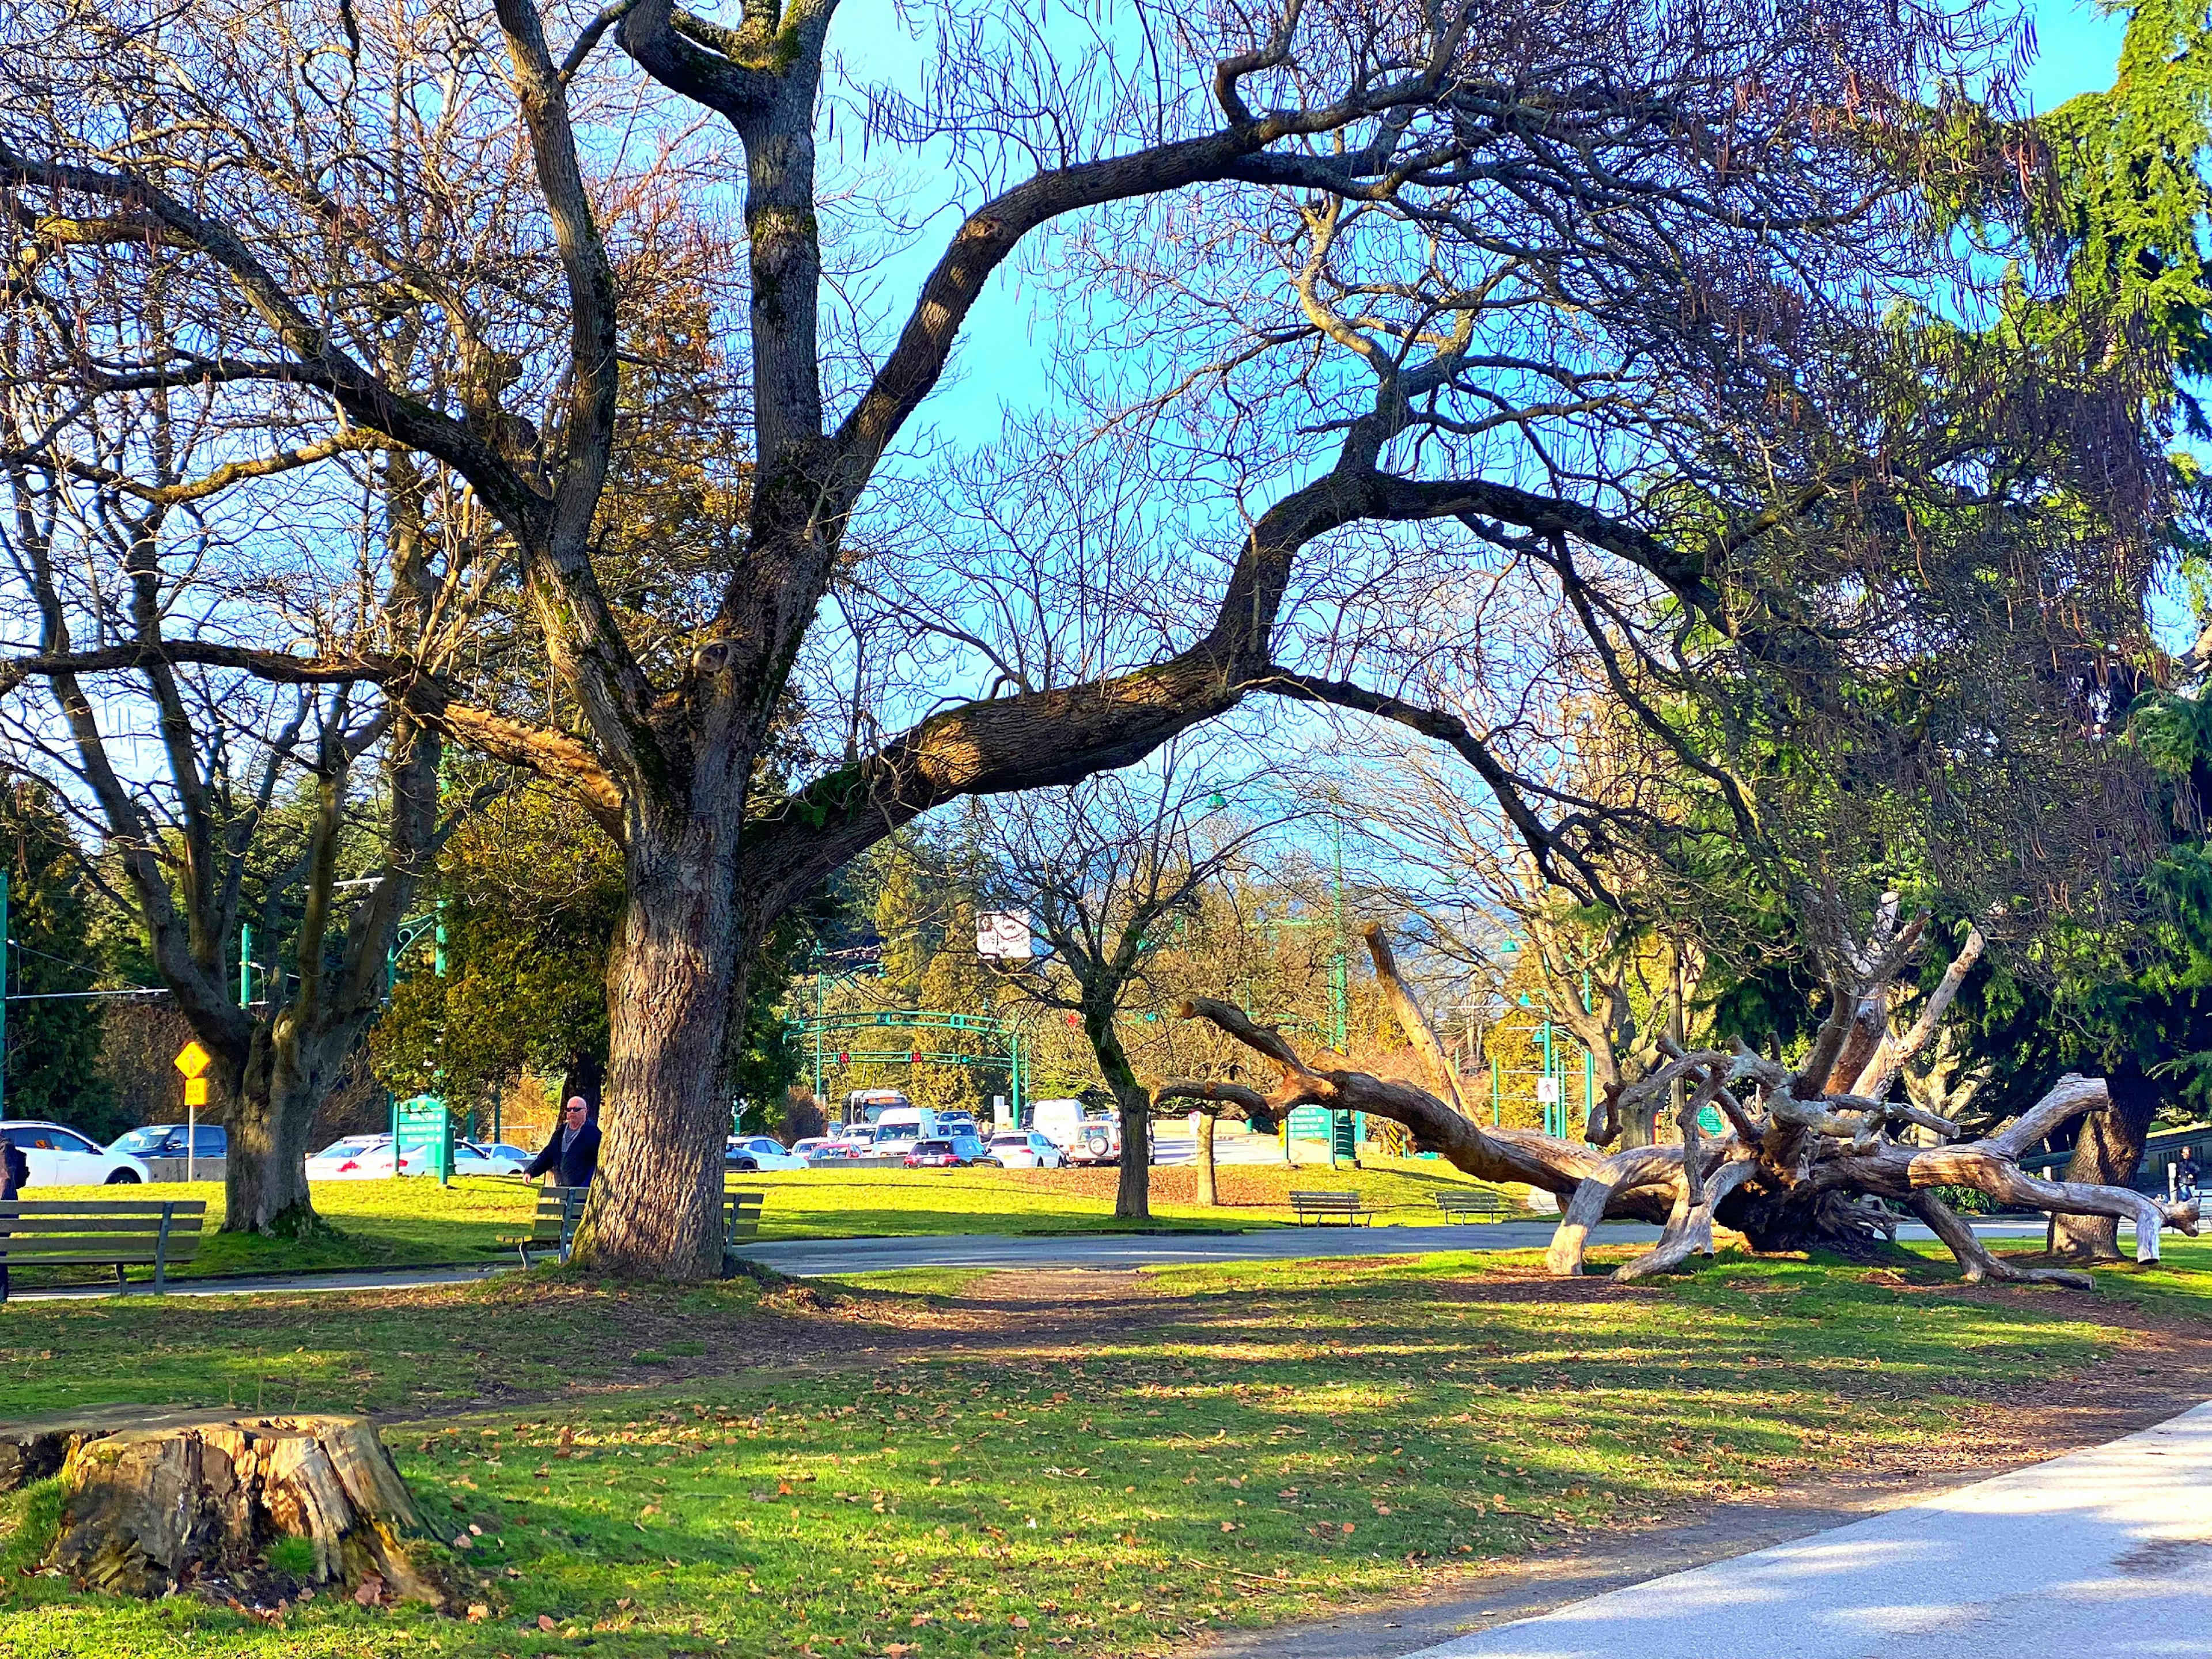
1108, 870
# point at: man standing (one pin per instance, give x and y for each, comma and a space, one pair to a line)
15, 1176
572, 1152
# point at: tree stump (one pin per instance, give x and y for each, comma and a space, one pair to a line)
254, 1509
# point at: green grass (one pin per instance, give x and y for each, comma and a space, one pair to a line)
417, 1223
1275, 1438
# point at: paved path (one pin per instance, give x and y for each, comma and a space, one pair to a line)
807, 1258
810, 1258
2104, 1553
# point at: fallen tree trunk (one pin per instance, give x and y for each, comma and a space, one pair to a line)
255, 1509
1813, 1172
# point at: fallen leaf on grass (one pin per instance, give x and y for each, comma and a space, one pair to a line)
545, 1622
1346, 1529
371, 1591
1019, 1622
478, 1612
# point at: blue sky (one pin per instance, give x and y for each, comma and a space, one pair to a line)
1000, 362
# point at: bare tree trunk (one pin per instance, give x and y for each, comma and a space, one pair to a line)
2108, 1154
272, 1113
1132, 1193
1208, 1192
677, 977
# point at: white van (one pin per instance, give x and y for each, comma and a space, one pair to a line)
899, 1127
1082, 1140
1060, 1120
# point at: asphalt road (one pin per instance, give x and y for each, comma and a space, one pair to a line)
2102, 1553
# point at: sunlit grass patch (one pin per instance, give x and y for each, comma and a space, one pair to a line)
1278, 1436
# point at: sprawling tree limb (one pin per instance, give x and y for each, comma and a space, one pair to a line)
1875, 1077
1977, 1261
1792, 1173
1442, 1079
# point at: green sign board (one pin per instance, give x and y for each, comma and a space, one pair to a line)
422, 1137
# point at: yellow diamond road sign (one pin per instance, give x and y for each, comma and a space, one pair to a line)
192, 1059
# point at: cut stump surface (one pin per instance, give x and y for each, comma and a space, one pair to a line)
192, 1500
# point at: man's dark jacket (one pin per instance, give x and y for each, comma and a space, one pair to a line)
577, 1164
14, 1169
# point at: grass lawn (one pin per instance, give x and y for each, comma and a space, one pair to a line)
855, 1203
417, 1223
961, 1465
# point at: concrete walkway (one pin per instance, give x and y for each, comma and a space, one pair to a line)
2104, 1553
812, 1258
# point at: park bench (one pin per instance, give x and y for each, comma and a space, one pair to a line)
118, 1233
1473, 1204
742, 1213
558, 1210
1322, 1208
559, 1207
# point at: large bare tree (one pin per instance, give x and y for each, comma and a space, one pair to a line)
1602, 292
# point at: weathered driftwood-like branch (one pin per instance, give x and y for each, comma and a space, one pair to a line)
1442, 1079
1891, 1056
1487, 1153
1977, 1261
1207, 1091
1792, 1171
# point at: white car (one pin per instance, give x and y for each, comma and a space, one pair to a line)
357, 1158
759, 1152
476, 1157
1025, 1149
60, 1157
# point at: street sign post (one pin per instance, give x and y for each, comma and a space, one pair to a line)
193, 1061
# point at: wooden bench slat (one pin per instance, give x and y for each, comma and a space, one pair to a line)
1325, 1206
182, 1208
21, 1234
45, 1249
20, 1225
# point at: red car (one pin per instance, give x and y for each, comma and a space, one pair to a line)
933, 1154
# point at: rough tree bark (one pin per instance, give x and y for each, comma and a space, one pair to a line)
1208, 1188
193, 1503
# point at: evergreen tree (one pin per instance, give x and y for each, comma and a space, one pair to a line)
54, 1054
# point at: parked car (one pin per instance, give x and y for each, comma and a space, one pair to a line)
168, 1140
760, 1152
973, 1149
949, 1152
1096, 1140
473, 1157
357, 1158
60, 1157
1025, 1149
813, 1147
956, 1123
